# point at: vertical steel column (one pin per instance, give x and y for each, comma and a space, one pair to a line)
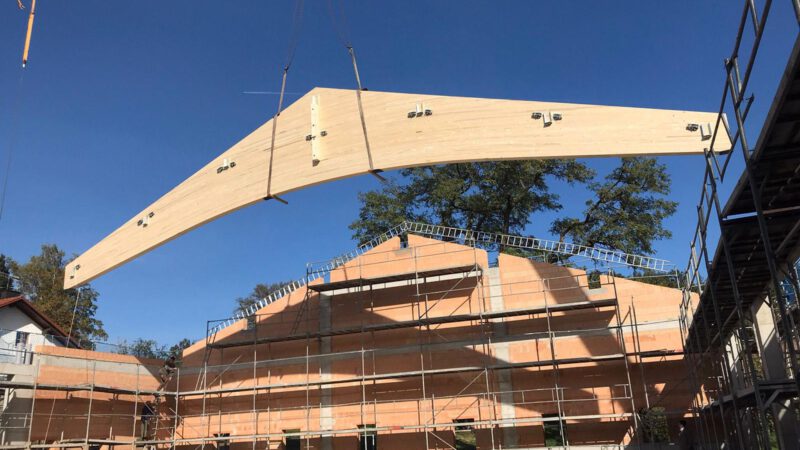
307, 311
637, 350
554, 364
255, 379
424, 393
204, 378
177, 398
621, 337
33, 401
91, 399
135, 408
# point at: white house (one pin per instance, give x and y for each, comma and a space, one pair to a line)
22, 328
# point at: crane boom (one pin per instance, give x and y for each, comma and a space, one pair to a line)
28, 34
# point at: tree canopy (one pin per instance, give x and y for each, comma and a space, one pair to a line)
41, 280
490, 196
625, 212
149, 348
5, 273
260, 291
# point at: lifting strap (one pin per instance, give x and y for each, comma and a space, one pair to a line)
361, 114
297, 19
272, 142
339, 22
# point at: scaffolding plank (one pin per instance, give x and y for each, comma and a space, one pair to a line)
407, 374
584, 304
366, 281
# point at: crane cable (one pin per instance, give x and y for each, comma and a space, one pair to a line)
16, 105
297, 21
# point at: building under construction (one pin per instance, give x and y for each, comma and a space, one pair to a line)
440, 338
416, 343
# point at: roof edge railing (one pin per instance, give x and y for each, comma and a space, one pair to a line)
468, 237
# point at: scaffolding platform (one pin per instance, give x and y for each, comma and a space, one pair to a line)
771, 389
424, 321
79, 388
405, 276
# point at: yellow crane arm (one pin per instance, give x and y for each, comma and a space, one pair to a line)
28, 34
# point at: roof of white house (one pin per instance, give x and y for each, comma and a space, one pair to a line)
38, 317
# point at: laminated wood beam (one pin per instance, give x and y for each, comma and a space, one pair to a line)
319, 138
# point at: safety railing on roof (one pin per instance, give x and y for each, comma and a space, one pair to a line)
468, 237
311, 276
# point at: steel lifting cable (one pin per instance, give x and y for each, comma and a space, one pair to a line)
272, 142
297, 19
13, 139
17, 105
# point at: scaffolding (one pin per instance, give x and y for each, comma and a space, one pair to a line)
242, 373
736, 404
609, 258
423, 303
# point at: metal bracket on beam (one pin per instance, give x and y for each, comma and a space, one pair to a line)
275, 197
226, 164
547, 117
74, 271
419, 111
316, 151
145, 221
704, 128
377, 174
705, 131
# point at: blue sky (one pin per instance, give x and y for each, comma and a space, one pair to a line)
123, 100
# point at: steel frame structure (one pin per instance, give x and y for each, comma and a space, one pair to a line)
733, 401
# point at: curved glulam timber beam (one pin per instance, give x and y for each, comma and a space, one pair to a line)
404, 130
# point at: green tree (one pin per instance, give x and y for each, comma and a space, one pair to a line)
41, 280
627, 210
6, 283
259, 292
144, 348
178, 348
654, 424
490, 196
150, 348
671, 280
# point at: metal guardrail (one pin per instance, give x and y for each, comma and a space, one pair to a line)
297, 284
14, 352
11, 352
531, 243
468, 237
